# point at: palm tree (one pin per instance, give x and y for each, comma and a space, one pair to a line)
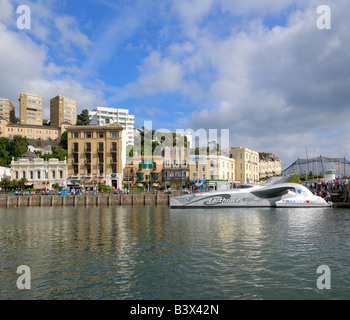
22, 183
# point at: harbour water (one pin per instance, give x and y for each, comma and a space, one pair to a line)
154, 252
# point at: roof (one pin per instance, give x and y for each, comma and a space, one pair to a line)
96, 127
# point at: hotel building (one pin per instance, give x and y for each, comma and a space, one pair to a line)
247, 164
31, 109
7, 110
104, 116
62, 109
97, 153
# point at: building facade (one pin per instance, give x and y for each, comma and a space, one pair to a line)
9, 130
175, 166
104, 116
39, 173
145, 173
212, 170
7, 110
270, 166
96, 153
31, 109
62, 109
247, 164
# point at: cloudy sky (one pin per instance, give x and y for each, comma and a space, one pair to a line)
260, 68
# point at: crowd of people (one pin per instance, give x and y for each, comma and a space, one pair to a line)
331, 189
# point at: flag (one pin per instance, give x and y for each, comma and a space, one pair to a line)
337, 165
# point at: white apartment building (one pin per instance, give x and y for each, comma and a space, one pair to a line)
103, 116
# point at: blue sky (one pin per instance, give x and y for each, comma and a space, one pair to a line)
260, 68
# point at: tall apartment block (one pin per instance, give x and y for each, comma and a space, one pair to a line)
31, 109
62, 109
103, 116
7, 110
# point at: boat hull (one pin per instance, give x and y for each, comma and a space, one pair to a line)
248, 199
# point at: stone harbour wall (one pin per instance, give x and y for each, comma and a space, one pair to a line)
85, 201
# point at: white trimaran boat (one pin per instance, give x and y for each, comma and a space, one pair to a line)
274, 193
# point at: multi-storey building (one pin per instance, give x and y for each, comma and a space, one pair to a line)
96, 153
247, 164
175, 166
9, 130
62, 109
212, 170
39, 173
103, 116
31, 109
7, 110
145, 172
270, 166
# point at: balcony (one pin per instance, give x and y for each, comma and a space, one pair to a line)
114, 150
87, 150
75, 150
100, 150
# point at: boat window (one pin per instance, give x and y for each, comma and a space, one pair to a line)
244, 186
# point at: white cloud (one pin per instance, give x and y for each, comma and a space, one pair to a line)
26, 65
277, 89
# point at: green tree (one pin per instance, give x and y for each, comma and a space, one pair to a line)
14, 184
22, 183
64, 140
5, 184
18, 146
5, 157
57, 153
83, 118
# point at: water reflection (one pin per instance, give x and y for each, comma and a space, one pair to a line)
159, 253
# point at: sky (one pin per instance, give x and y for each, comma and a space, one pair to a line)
262, 69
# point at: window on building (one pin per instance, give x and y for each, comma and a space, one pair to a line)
88, 135
88, 170
23, 174
38, 174
53, 174
16, 175
114, 134
88, 147
75, 134
61, 174
100, 169
101, 135
114, 168
100, 146
114, 147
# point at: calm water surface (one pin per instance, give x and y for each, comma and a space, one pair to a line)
160, 253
